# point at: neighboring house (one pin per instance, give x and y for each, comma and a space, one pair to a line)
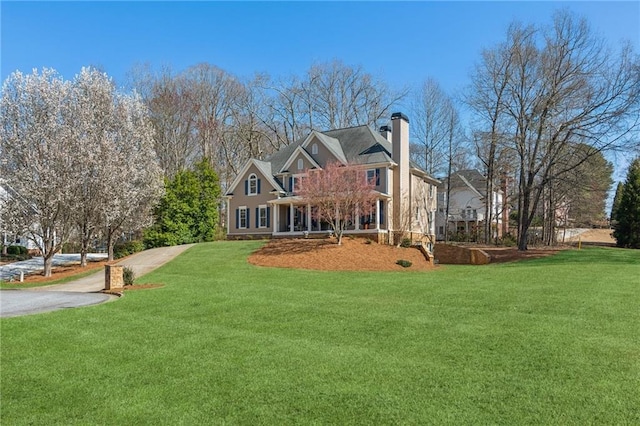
262, 201
9, 237
467, 207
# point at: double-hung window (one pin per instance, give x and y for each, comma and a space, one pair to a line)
262, 217
242, 218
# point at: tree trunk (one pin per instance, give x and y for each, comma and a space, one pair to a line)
48, 264
83, 257
523, 215
110, 244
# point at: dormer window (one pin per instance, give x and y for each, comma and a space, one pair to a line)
314, 149
253, 185
300, 164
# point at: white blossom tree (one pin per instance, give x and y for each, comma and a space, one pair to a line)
77, 156
36, 158
136, 181
115, 167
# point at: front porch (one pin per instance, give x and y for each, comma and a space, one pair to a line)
291, 218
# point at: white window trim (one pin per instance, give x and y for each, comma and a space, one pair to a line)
300, 164
293, 181
254, 178
314, 149
246, 222
373, 178
261, 208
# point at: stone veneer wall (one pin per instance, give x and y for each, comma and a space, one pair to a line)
449, 254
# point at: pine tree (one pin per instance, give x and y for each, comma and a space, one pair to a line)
627, 229
616, 202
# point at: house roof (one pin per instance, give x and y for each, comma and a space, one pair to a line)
470, 178
264, 167
359, 145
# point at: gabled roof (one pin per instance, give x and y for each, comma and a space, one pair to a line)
265, 169
472, 179
332, 144
299, 150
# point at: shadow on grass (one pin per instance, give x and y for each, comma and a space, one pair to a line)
590, 255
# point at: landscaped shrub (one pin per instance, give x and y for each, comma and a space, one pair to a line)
406, 242
127, 248
128, 276
404, 263
508, 240
17, 250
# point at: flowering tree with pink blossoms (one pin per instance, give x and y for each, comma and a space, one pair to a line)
337, 194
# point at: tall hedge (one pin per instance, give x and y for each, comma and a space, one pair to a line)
188, 212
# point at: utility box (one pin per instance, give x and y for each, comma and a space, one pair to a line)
113, 277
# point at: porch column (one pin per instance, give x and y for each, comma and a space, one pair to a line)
308, 217
377, 214
291, 217
274, 220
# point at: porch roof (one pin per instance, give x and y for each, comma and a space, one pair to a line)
296, 199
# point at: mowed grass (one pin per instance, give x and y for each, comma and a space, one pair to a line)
549, 341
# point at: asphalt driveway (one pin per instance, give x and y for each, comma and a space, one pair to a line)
82, 292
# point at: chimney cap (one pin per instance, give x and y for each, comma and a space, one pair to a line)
385, 129
399, 115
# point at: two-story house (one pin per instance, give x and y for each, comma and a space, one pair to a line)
262, 201
467, 206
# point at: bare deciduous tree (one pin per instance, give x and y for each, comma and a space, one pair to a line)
557, 87
173, 112
431, 110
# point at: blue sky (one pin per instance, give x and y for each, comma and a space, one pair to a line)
402, 42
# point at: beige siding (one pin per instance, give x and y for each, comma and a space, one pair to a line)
323, 156
251, 202
306, 164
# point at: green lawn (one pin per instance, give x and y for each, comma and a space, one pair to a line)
548, 341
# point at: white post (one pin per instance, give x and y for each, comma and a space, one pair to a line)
377, 214
274, 219
290, 217
308, 217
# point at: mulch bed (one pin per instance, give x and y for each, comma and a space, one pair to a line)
358, 255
